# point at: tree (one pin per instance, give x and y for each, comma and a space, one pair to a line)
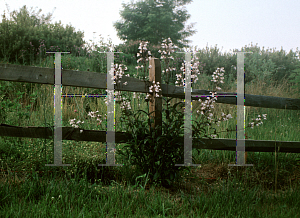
27, 35
154, 21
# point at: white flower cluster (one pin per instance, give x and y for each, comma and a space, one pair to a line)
194, 70
119, 71
156, 90
111, 99
256, 121
92, 115
208, 103
75, 124
119, 99
144, 55
167, 49
125, 105
217, 74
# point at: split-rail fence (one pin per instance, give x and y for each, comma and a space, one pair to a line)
87, 79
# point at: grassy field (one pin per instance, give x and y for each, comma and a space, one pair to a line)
30, 189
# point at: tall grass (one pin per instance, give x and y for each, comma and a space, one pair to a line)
28, 188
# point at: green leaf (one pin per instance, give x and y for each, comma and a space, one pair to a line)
10, 104
171, 176
156, 175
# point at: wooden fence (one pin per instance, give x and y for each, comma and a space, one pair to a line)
87, 79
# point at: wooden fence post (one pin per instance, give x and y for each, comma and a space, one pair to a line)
155, 103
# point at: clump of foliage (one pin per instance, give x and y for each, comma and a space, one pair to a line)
26, 36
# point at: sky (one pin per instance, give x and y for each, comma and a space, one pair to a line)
229, 24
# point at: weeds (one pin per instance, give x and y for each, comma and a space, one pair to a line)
28, 188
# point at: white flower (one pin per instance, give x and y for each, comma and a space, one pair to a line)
229, 116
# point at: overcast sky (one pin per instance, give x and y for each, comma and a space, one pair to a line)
228, 23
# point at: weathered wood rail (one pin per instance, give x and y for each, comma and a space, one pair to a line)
70, 133
87, 79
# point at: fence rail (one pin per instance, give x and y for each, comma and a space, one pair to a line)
87, 79
70, 133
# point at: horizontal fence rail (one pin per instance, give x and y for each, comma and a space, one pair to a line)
70, 133
87, 79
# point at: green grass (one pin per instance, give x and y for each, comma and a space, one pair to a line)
269, 189
245, 193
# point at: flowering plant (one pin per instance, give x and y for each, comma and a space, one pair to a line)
157, 156
91, 114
